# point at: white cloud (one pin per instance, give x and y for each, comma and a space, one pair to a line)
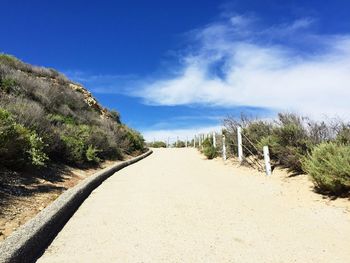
232, 67
301, 24
104, 83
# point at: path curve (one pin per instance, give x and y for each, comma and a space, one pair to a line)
175, 206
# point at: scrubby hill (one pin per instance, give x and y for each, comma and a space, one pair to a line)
46, 118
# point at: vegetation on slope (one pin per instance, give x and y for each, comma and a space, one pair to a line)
44, 117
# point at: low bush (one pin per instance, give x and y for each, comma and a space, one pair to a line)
115, 116
343, 136
157, 144
14, 143
180, 144
208, 149
74, 138
17, 64
135, 141
61, 119
7, 84
36, 152
253, 132
329, 167
290, 142
18, 145
92, 154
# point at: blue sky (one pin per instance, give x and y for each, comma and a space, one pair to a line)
179, 67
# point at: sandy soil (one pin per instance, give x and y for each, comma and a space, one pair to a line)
174, 206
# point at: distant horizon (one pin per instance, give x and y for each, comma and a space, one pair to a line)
176, 68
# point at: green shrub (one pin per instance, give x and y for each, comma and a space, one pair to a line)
83, 143
329, 167
7, 84
135, 141
92, 154
158, 144
254, 131
288, 142
208, 149
115, 116
14, 142
343, 136
272, 142
9, 60
61, 119
107, 141
18, 145
180, 144
74, 139
293, 142
210, 152
36, 152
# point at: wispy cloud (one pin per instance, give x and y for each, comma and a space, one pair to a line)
239, 62
105, 83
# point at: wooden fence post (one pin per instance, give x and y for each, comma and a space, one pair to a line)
223, 147
214, 140
267, 160
239, 143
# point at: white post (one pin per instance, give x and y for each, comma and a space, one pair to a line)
200, 140
177, 141
168, 143
267, 160
223, 147
194, 141
186, 141
214, 140
239, 142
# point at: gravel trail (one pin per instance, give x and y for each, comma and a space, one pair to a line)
174, 206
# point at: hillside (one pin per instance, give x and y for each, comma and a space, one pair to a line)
45, 118
53, 133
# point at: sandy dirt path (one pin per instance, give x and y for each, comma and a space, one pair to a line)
174, 206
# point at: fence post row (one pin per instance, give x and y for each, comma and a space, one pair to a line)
239, 142
201, 138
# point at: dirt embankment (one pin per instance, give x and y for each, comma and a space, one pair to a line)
23, 195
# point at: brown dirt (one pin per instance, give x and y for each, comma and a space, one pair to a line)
23, 195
